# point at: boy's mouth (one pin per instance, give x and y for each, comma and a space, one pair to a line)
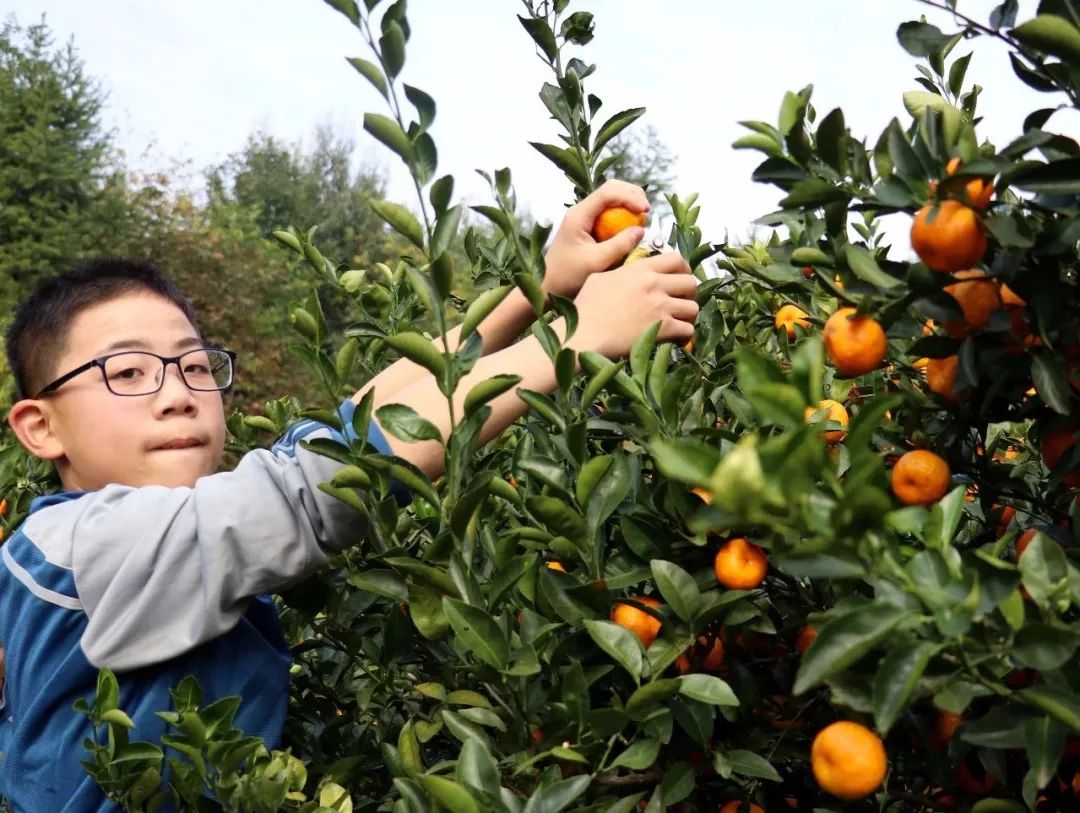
179, 443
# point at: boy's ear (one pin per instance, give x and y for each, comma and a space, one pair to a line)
31, 422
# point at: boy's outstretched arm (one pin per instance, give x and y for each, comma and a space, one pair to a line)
574, 256
613, 310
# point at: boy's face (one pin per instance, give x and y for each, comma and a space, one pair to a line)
106, 438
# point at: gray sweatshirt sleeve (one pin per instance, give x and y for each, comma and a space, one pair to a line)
161, 570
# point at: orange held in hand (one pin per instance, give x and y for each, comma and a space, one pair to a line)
920, 478
948, 237
789, 316
835, 412
614, 220
639, 622
740, 565
855, 344
848, 760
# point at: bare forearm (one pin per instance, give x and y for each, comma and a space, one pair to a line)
504, 324
526, 359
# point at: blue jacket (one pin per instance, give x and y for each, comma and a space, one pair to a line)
156, 584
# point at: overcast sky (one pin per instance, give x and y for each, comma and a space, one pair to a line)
191, 79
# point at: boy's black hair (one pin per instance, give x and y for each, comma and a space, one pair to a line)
37, 336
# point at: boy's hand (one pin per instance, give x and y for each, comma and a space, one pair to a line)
574, 254
616, 307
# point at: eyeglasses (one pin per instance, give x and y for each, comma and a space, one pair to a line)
134, 372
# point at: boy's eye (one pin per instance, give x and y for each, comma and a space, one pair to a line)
126, 374
197, 369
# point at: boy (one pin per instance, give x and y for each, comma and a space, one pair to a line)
151, 564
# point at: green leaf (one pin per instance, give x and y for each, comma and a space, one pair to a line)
1062, 705
348, 8
556, 796
642, 351
640, 755
446, 229
812, 193
117, 717
686, 460
414, 480
944, 519
678, 783
747, 763
1052, 35
897, 679
707, 689
136, 752
424, 104
542, 404
108, 691
372, 73
392, 46
405, 423
490, 388
619, 643
602, 370
542, 35
615, 125
921, 39
844, 640
1044, 741
1051, 381
1044, 647
832, 140
478, 631
483, 305
380, 582
400, 219
865, 267
565, 159
419, 349
387, 131
678, 588
477, 768
449, 793
441, 192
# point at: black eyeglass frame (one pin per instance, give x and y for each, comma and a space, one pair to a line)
99, 362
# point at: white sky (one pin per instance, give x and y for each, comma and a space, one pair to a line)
190, 79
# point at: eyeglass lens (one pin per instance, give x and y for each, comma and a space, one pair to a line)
138, 373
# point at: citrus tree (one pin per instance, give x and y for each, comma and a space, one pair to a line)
818, 559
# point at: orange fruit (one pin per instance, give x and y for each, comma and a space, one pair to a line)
948, 237
713, 660
639, 622
920, 363
834, 412
941, 376
848, 760
1010, 299
537, 736
3, 507
1007, 514
1054, 447
740, 565
614, 220
920, 477
976, 191
702, 495
556, 566
1024, 540
978, 298
807, 636
789, 316
808, 271
736, 806
944, 727
855, 344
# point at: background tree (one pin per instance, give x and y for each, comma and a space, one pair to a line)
59, 185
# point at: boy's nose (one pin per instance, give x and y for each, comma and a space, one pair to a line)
174, 393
